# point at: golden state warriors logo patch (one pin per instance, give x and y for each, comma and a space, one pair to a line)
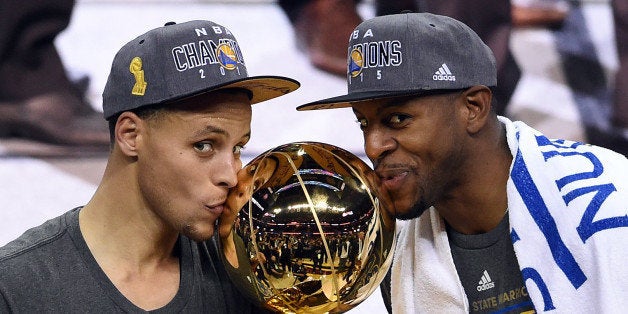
139, 88
226, 57
356, 62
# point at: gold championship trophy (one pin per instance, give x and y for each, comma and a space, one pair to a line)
312, 235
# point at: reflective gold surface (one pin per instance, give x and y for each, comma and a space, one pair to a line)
312, 234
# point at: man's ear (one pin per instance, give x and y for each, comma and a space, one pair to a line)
127, 130
478, 103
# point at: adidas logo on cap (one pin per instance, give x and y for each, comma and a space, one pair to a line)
485, 282
443, 74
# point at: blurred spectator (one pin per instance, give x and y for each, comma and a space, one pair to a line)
619, 118
603, 109
539, 13
317, 257
620, 17
345, 246
274, 268
37, 100
299, 270
285, 257
322, 29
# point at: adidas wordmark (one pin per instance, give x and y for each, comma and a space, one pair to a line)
443, 74
485, 282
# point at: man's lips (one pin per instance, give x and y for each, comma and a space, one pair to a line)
216, 209
392, 179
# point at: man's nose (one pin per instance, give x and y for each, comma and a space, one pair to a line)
226, 172
377, 143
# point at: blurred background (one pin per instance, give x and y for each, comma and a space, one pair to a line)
566, 52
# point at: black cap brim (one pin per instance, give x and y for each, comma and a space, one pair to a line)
346, 100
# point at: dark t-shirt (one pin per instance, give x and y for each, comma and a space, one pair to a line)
489, 271
50, 269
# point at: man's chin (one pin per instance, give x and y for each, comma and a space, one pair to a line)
412, 212
198, 234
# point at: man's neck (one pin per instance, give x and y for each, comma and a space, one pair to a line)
480, 202
133, 249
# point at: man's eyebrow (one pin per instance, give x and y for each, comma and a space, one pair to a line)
389, 103
210, 129
392, 103
247, 136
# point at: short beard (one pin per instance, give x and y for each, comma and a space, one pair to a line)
415, 211
193, 234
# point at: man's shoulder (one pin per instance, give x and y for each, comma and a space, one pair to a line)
34, 239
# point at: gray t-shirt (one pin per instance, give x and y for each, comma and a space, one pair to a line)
488, 269
489, 272
50, 269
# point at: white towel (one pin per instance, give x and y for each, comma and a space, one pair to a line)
424, 277
568, 205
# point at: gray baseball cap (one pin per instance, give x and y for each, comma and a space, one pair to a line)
177, 61
411, 54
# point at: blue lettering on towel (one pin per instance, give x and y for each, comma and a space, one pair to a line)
540, 213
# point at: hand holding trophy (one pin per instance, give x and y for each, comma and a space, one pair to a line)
312, 233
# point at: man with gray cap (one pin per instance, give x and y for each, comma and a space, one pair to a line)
500, 217
178, 101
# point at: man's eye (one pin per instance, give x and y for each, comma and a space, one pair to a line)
204, 147
397, 119
362, 122
238, 149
